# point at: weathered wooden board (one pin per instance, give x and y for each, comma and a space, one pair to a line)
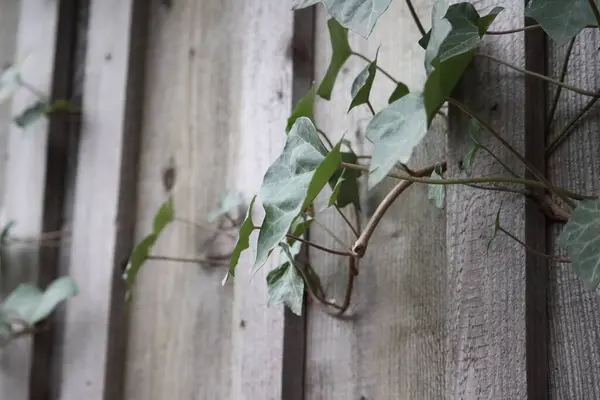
25, 171
486, 321
574, 311
104, 195
391, 346
217, 96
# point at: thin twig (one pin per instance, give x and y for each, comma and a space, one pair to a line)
510, 148
569, 127
371, 108
531, 249
540, 76
322, 248
495, 157
390, 77
347, 221
415, 17
563, 74
330, 233
326, 138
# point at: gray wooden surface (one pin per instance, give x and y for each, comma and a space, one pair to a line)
391, 344
25, 169
217, 96
575, 311
485, 349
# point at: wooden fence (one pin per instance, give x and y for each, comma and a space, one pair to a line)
203, 88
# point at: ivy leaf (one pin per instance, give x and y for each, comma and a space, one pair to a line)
361, 87
358, 15
163, 217
304, 108
243, 241
436, 193
561, 19
395, 131
467, 163
285, 285
440, 30
292, 182
300, 226
228, 201
31, 114
400, 91
485, 21
581, 236
31, 305
344, 183
341, 52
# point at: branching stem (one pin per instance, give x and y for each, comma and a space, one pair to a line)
532, 250
540, 76
350, 225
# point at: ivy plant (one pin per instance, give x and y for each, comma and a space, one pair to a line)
310, 161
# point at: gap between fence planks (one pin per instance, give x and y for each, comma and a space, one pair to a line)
95, 334
390, 346
36, 23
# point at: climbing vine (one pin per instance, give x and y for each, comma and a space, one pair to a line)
310, 162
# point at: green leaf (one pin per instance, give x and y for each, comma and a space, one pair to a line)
164, 216
228, 201
30, 305
285, 285
464, 35
304, 108
358, 15
31, 114
436, 193
344, 183
440, 30
561, 19
581, 236
400, 91
243, 241
300, 226
469, 159
10, 81
485, 21
395, 131
361, 87
341, 52
292, 182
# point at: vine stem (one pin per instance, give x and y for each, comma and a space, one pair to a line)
485, 179
324, 135
569, 127
319, 247
546, 183
360, 246
516, 30
383, 71
415, 17
563, 74
531, 249
352, 228
371, 108
595, 11
540, 76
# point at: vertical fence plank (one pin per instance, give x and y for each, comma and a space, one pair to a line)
26, 173
391, 343
486, 321
93, 355
575, 165
266, 93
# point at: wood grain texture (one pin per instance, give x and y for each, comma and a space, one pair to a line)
575, 311
217, 97
25, 172
391, 344
104, 196
486, 320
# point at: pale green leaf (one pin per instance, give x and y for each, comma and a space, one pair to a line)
464, 35
229, 201
32, 114
285, 284
292, 182
436, 193
361, 87
358, 15
561, 19
31, 305
243, 241
440, 30
341, 51
304, 108
395, 131
400, 91
581, 236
